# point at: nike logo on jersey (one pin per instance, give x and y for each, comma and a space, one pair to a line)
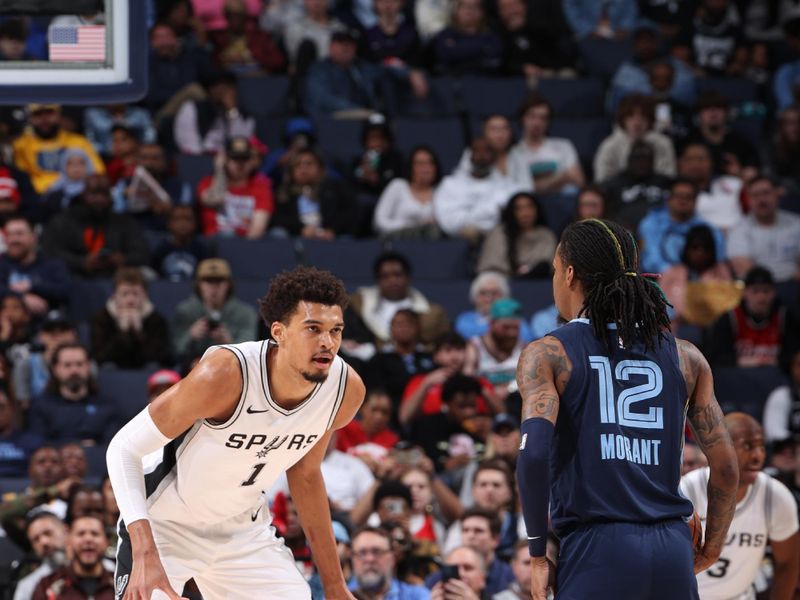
254, 516
251, 411
536, 537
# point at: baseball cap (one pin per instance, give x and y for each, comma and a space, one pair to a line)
238, 147
55, 320
344, 35
506, 308
213, 268
340, 533
163, 377
37, 107
503, 420
758, 276
9, 190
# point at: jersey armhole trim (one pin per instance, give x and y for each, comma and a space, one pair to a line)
245, 383
342, 389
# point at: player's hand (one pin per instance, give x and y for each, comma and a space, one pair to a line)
540, 577
705, 558
148, 578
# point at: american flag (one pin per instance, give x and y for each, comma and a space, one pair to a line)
77, 43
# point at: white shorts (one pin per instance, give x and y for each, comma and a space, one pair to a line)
238, 559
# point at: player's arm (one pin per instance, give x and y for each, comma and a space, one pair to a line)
542, 373
786, 556
311, 499
211, 390
708, 425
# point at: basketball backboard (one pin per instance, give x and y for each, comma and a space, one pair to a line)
83, 51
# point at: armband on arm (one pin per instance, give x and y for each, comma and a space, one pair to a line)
533, 476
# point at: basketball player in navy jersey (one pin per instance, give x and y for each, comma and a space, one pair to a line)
605, 399
189, 470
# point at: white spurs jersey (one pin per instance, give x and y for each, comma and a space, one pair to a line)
767, 512
217, 471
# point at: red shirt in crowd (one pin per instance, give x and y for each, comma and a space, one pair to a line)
353, 434
432, 403
241, 203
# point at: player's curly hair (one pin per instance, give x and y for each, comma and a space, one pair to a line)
606, 260
300, 284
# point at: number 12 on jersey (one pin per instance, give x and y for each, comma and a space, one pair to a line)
619, 410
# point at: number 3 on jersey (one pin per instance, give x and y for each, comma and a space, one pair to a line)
619, 410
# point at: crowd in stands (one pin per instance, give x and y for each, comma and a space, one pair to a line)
378, 138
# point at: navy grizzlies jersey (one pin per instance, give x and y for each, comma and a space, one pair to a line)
619, 435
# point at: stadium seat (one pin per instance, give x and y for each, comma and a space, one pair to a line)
96, 462
533, 294
583, 97
558, 211
261, 96
445, 136
791, 202
400, 101
257, 259
587, 135
270, 131
483, 96
166, 295
127, 389
436, 259
192, 168
345, 258
453, 295
13, 484
734, 88
340, 140
746, 389
250, 291
601, 57
789, 293
87, 296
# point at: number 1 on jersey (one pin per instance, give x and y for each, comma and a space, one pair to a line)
256, 470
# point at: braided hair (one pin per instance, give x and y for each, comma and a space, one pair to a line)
605, 258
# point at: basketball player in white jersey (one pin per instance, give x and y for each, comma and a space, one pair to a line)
245, 414
766, 513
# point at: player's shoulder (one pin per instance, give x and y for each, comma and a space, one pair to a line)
777, 492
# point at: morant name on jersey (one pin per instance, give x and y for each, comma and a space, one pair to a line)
636, 450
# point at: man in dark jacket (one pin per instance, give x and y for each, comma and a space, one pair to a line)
91, 239
43, 283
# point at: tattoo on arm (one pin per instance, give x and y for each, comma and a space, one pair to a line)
687, 355
542, 374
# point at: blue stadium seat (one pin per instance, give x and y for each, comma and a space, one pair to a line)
601, 57
436, 259
250, 291
166, 295
791, 202
13, 484
789, 293
746, 389
453, 295
400, 101
192, 168
734, 88
270, 131
261, 96
257, 259
445, 136
558, 211
583, 97
533, 294
483, 96
587, 135
96, 462
340, 139
127, 389
345, 258
87, 296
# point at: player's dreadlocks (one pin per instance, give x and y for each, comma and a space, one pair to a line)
605, 259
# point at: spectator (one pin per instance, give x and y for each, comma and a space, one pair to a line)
38, 151
700, 288
429, 496
757, 332
242, 46
380, 162
310, 204
205, 125
91, 239
530, 49
212, 315
520, 588
74, 168
174, 64
693, 458
86, 546
497, 132
670, 18
160, 381
591, 203
393, 41
129, 332
767, 236
405, 208
468, 204
212, 16
471, 580
372, 426
13, 36
673, 116
47, 536
480, 530
347, 478
374, 568
634, 122
552, 162
16, 446
73, 457
719, 199
237, 199
785, 150
495, 354
449, 437
15, 321
487, 287
781, 420
637, 189
48, 487
71, 408
124, 153
711, 43
372, 308
311, 34
99, 122
786, 82
16, 187
662, 233
298, 134
633, 76
614, 19
521, 246
395, 363
43, 283
466, 45
341, 85
177, 256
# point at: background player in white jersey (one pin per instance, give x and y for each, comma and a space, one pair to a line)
765, 514
243, 415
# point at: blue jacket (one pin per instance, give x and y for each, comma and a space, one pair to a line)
664, 239
330, 88
787, 78
584, 15
60, 421
49, 278
398, 590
